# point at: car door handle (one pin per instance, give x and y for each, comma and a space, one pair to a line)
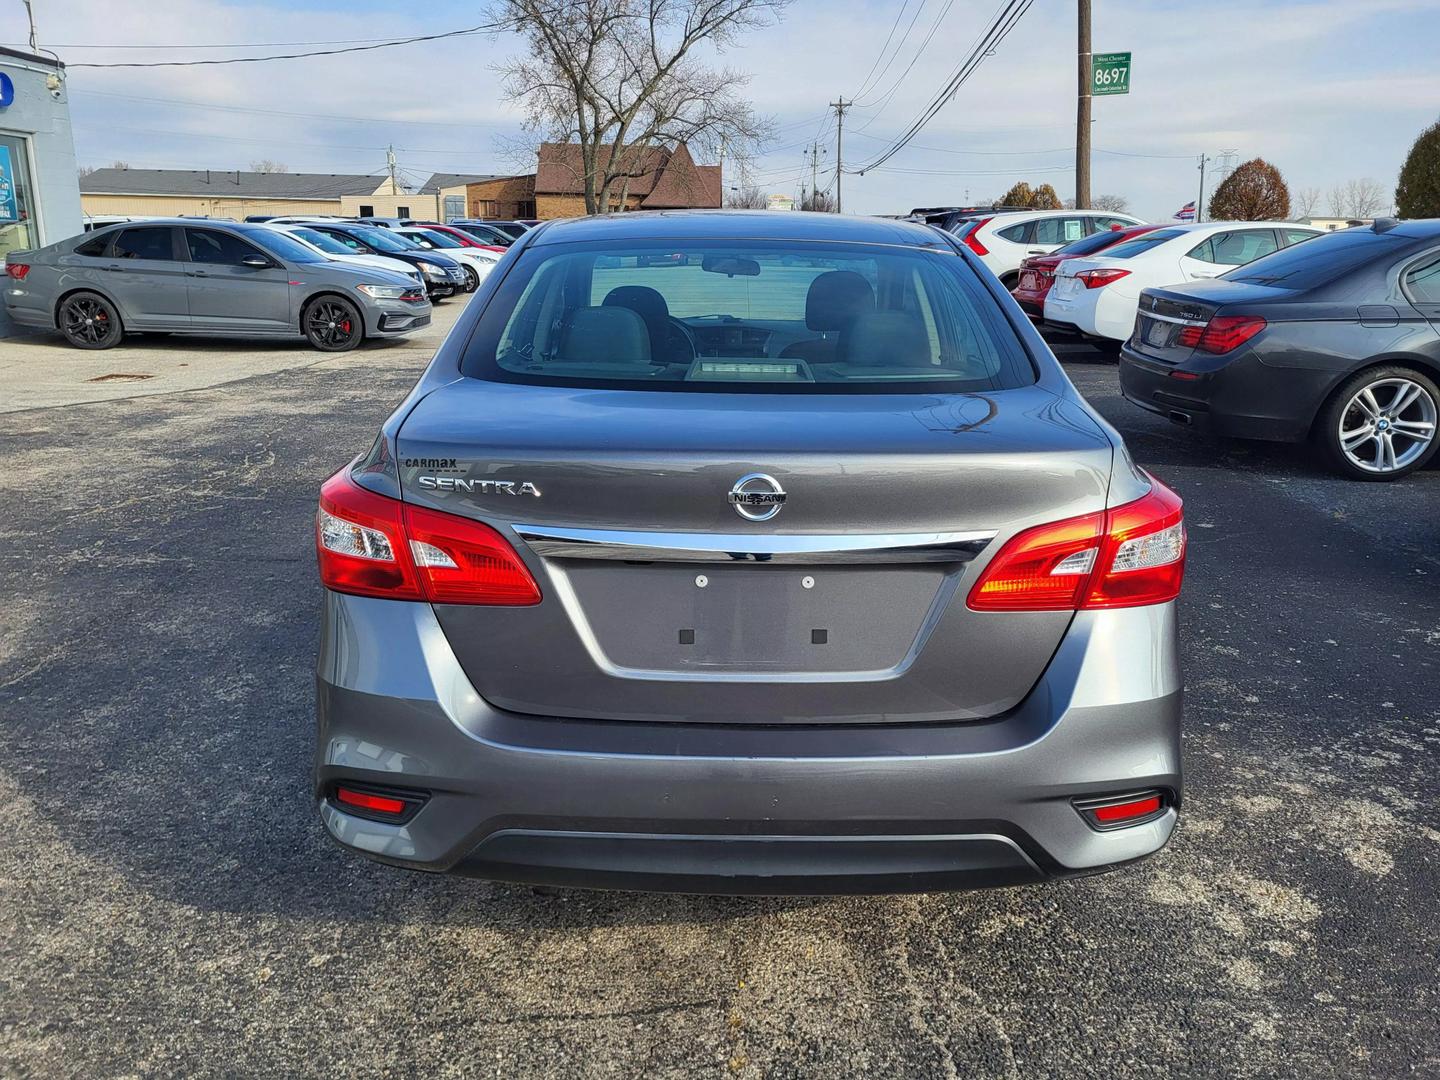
196, 273
113, 267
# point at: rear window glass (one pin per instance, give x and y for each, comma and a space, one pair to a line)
1142, 243
1089, 244
1015, 233
1319, 261
746, 316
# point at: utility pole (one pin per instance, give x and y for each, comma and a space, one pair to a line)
390, 162
1082, 111
839, 107
1200, 202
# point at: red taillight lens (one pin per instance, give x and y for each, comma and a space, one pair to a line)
1099, 278
17, 270
464, 562
379, 804
972, 242
1125, 557
1222, 334
360, 542
371, 545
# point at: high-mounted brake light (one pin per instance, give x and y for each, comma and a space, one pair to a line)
1222, 334
17, 270
1101, 276
1127, 556
971, 241
371, 545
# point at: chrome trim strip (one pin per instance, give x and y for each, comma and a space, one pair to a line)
562, 543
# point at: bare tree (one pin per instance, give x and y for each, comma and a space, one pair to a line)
1307, 201
265, 165
821, 202
746, 196
1115, 204
1357, 199
618, 78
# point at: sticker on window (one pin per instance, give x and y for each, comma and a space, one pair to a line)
1074, 230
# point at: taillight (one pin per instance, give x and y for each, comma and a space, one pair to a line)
1127, 556
1222, 334
972, 242
17, 270
1099, 278
371, 545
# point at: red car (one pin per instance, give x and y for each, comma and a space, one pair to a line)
1037, 273
466, 239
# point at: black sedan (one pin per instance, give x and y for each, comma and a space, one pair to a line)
1334, 339
443, 275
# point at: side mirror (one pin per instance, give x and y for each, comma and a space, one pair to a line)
259, 262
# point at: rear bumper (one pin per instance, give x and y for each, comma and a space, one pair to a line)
746, 809
1241, 398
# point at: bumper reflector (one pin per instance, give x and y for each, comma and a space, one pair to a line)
1118, 811
377, 804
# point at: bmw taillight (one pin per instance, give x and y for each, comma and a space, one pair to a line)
970, 239
1099, 278
17, 270
1222, 334
371, 545
1127, 556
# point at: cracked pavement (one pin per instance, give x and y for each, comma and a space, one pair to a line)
169, 904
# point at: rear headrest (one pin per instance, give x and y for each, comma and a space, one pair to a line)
641, 299
605, 335
887, 339
835, 298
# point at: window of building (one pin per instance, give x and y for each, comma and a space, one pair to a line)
525, 209
486, 208
366, 211
17, 221
402, 211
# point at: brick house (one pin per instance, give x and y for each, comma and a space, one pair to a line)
666, 180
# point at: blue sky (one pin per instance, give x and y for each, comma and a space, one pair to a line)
1329, 90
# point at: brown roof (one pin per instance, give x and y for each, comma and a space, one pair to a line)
665, 178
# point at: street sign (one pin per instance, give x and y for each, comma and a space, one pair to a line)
1109, 74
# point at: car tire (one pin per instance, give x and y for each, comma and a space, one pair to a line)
89, 321
472, 279
332, 324
1380, 424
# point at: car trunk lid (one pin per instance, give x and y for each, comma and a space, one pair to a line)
664, 598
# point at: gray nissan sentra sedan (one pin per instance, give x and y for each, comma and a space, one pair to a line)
748, 553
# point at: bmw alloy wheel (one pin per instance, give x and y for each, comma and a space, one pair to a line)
1387, 425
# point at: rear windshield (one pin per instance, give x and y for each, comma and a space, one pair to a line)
1142, 243
385, 240
1317, 262
1088, 244
738, 316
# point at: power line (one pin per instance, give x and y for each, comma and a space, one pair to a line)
919, 52
481, 29
866, 85
211, 107
998, 30
215, 45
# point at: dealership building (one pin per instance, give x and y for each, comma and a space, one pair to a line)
39, 196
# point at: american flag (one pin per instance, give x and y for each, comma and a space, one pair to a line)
1186, 212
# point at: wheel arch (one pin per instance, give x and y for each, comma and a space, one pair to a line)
1422, 364
68, 293
337, 294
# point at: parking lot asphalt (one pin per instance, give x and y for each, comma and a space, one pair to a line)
169, 904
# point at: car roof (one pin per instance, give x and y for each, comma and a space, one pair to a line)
1011, 217
734, 224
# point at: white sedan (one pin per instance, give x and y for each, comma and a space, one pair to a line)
332, 249
1004, 241
1099, 296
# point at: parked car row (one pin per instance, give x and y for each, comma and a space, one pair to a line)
215, 278
1255, 329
